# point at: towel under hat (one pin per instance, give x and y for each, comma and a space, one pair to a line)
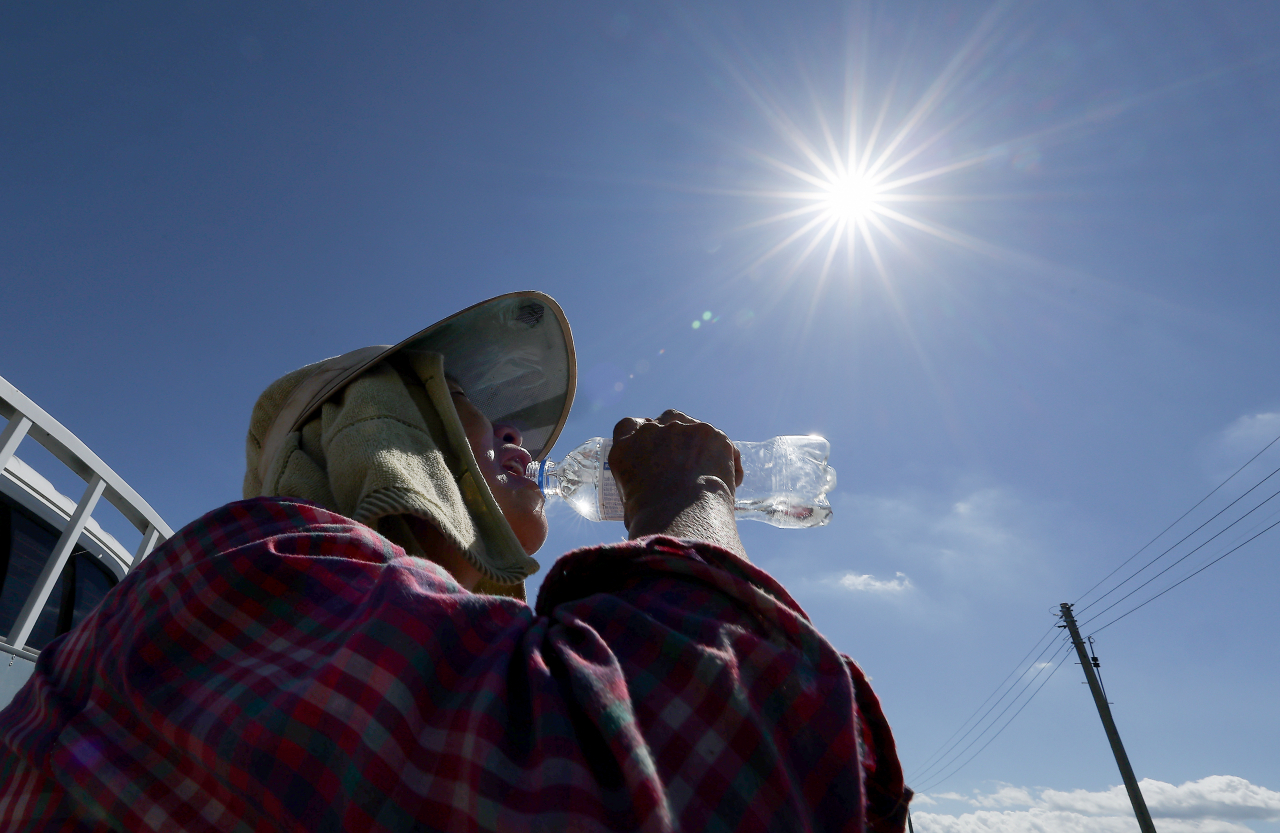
390, 444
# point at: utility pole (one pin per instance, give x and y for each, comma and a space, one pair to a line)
1104, 711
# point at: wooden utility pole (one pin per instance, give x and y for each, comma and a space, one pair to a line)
1104, 711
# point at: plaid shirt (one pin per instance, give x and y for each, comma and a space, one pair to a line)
276, 666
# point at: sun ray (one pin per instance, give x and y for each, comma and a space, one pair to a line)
836, 162
816, 297
851, 111
831, 254
777, 218
939, 171
941, 198
812, 155
870, 144
793, 134
791, 238
934, 94
853, 181
874, 219
881, 272
845, 180
808, 250
908, 331
790, 169
922, 146
776, 195
854, 92
851, 246
942, 232
778, 119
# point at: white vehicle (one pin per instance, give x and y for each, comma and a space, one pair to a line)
56, 561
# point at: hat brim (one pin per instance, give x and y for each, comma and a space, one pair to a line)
513, 356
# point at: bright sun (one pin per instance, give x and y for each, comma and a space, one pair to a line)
844, 193
850, 197
854, 183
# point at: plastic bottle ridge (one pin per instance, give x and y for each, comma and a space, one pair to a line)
785, 481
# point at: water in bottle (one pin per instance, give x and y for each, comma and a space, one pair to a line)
785, 481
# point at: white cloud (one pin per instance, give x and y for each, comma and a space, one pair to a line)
1218, 796
1241, 440
1253, 431
871, 584
1056, 821
945, 555
980, 531
1216, 804
1006, 796
949, 549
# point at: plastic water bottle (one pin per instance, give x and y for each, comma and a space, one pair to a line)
785, 481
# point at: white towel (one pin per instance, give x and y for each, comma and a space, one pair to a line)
390, 444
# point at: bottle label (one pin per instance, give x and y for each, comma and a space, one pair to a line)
610, 500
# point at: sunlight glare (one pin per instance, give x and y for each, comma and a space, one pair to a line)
850, 197
853, 185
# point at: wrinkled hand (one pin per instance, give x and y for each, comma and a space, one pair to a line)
677, 477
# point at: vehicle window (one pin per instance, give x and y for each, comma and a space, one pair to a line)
25, 546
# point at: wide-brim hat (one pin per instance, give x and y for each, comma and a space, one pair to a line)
513, 356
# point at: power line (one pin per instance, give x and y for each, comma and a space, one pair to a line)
1175, 523
1056, 665
1185, 557
943, 749
940, 757
942, 761
1197, 572
995, 720
1181, 540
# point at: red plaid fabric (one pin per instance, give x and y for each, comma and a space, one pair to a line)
276, 666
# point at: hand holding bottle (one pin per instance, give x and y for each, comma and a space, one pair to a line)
671, 453
677, 477
783, 481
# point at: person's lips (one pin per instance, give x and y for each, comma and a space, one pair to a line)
515, 460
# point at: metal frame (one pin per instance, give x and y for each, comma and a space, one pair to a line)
26, 419
25, 487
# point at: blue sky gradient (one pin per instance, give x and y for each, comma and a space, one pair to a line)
1070, 344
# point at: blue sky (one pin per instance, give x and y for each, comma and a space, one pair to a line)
1064, 338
